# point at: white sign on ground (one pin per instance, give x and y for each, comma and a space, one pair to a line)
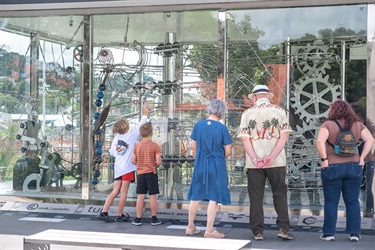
179, 214
95, 210
235, 217
7, 205
44, 208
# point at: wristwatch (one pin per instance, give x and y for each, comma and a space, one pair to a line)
324, 159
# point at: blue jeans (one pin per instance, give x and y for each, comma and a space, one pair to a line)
369, 169
342, 178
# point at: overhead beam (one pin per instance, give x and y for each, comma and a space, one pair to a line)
13, 8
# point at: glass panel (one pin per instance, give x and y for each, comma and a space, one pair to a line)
308, 57
168, 61
136, 65
191, 27
154, 59
40, 90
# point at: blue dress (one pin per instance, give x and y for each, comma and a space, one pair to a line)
210, 176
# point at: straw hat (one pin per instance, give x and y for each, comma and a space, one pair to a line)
260, 89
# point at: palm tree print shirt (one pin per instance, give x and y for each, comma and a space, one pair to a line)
262, 124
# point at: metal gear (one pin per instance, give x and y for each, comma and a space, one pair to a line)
76, 170
314, 58
304, 159
301, 144
105, 57
293, 175
312, 98
304, 176
78, 53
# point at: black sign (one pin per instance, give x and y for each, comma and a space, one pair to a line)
309, 220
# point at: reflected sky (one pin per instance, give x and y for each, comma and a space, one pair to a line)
279, 24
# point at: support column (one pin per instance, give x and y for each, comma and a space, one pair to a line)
169, 74
343, 70
34, 59
370, 100
222, 56
86, 142
169, 99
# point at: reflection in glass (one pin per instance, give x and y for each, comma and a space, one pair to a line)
300, 57
169, 62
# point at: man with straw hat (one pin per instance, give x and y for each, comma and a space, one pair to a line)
264, 131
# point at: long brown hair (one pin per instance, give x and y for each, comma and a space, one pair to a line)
341, 109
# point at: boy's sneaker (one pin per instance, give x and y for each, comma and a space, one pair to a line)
284, 235
123, 217
105, 217
354, 237
137, 222
327, 237
259, 236
156, 222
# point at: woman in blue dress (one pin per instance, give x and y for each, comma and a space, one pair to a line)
212, 143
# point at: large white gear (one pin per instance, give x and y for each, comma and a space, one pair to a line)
312, 98
304, 160
305, 176
301, 144
313, 58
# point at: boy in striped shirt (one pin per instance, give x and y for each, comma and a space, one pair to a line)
147, 157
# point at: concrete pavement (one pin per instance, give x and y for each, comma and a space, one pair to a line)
15, 224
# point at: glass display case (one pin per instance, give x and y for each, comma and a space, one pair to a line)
174, 63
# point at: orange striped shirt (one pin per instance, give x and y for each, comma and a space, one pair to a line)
145, 152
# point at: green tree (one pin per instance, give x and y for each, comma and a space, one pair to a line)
204, 58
